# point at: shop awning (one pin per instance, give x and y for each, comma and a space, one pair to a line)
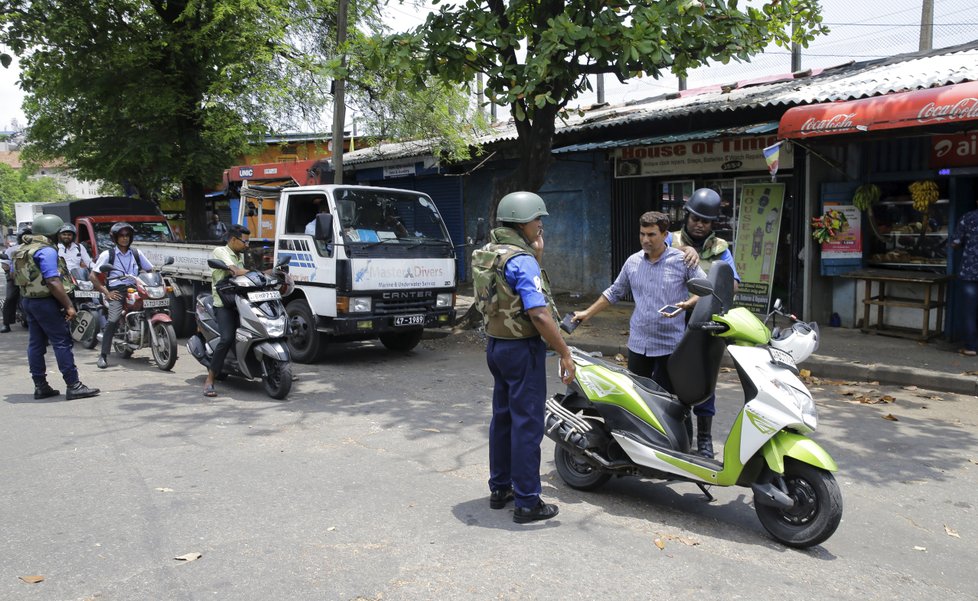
930, 107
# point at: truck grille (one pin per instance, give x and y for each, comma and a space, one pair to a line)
387, 306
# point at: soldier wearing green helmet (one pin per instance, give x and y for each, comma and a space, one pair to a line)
44, 285
513, 294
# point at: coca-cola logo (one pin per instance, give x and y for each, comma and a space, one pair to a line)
966, 108
833, 123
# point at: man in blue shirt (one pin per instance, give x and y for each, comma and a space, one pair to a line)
41, 275
966, 238
520, 325
656, 276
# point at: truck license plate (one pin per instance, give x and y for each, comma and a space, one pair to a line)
409, 320
266, 295
156, 302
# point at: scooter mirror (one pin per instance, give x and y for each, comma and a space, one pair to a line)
777, 304
283, 261
700, 286
105, 268
216, 264
168, 261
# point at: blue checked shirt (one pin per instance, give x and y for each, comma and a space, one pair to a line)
654, 284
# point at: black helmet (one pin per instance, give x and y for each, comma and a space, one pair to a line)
68, 228
704, 203
117, 228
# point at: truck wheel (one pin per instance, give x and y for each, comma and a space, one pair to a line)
180, 318
305, 344
403, 342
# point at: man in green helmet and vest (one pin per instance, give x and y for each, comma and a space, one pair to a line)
44, 285
702, 247
514, 296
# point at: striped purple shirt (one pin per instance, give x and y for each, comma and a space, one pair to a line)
654, 284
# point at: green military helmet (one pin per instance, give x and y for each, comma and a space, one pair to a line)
520, 207
46, 225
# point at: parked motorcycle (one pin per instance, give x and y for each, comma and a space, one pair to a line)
89, 310
611, 422
260, 349
146, 319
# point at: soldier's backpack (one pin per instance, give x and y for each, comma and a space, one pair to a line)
487, 268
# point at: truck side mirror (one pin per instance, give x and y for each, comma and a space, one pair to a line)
324, 227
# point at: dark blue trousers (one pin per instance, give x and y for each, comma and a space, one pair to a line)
655, 368
46, 324
519, 397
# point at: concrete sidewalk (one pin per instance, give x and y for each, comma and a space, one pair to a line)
843, 354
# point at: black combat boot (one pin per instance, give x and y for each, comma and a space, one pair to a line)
80, 391
704, 435
43, 390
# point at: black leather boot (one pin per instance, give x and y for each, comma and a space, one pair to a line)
704, 435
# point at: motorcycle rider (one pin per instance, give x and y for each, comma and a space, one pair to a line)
74, 254
44, 281
702, 210
519, 332
12, 295
126, 261
227, 317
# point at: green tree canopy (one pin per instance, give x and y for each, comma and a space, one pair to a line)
16, 186
536, 56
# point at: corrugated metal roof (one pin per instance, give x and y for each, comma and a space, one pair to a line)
901, 73
706, 134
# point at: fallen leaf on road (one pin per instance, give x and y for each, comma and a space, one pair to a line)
682, 539
951, 531
911, 387
920, 548
32, 579
658, 543
619, 357
805, 373
164, 489
970, 373
331, 528
975, 461
436, 430
887, 398
726, 370
188, 557
890, 417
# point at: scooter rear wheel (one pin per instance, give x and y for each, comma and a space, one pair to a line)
577, 472
817, 510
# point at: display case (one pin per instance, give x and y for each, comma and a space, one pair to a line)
902, 236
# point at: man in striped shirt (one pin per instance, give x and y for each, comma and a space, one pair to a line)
656, 277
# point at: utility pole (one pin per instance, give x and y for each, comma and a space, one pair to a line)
339, 96
795, 50
927, 25
600, 88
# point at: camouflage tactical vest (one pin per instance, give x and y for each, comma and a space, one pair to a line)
711, 250
27, 275
501, 306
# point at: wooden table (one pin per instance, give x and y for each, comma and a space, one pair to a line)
882, 277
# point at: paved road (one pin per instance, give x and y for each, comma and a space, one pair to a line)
369, 483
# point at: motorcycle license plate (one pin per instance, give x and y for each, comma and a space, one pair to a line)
265, 295
156, 302
87, 294
409, 320
779, 357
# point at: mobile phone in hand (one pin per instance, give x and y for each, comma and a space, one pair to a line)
568, 324
670, 310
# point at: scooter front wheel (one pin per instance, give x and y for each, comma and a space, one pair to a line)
577, 472
278, 378
165, 349
817, 508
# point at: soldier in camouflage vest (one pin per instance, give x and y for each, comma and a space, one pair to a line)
521, 320
44, 285
700, 244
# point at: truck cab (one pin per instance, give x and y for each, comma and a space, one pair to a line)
94, 217
368, 262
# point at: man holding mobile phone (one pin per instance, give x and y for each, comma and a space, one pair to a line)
656, 276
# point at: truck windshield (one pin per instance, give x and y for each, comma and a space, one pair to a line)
388, 217
144, 231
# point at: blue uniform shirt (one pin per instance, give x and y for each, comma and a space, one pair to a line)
523, 275
47, 261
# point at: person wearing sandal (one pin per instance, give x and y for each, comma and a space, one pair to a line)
966, 238
227, 317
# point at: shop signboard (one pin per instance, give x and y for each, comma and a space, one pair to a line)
955, 150
756, 248
847, 243
727, 155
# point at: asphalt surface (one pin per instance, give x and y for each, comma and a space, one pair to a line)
369, 483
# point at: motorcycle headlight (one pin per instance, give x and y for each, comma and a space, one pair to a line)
802, 401
156, 291
275, 327
444, 300
84, 285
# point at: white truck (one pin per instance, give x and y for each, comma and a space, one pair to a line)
378, 263
24, 212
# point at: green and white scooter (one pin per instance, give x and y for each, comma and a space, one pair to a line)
611, 422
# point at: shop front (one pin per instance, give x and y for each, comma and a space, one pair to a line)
889, 178
757, 214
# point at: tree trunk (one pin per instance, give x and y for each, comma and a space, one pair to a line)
534, 145
194, 210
